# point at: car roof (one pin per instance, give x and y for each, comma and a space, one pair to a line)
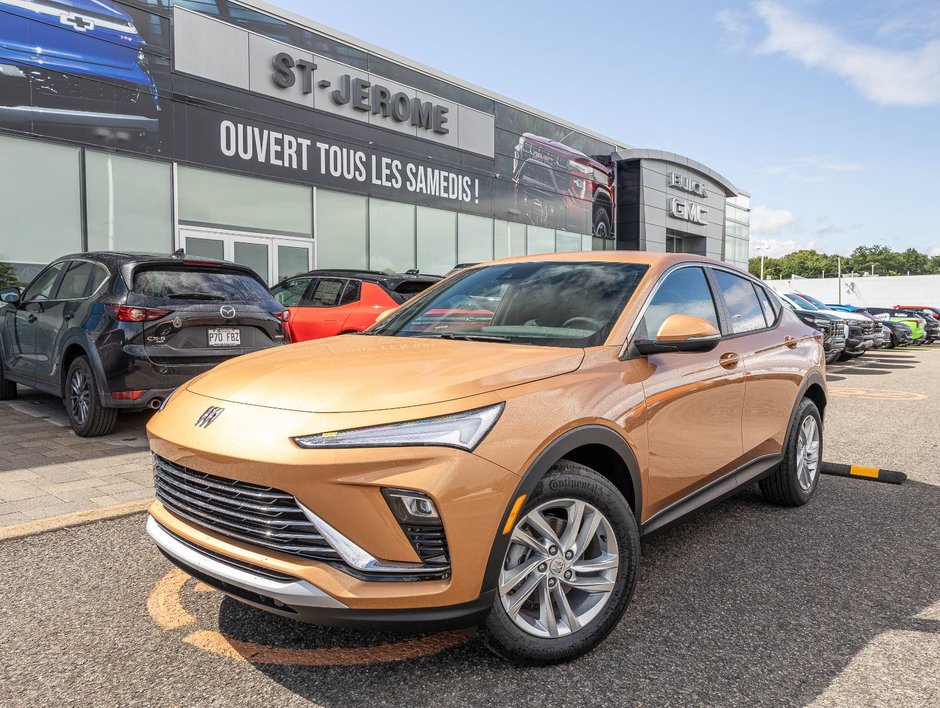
639, 257
372, 276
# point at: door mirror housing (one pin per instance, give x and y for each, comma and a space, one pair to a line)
385, 314
681, 333
10, 295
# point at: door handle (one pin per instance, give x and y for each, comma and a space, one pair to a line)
790, 342
729, 360
32, 318
68, 316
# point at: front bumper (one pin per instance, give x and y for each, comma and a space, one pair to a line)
859, 345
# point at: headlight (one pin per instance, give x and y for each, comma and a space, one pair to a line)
461, 430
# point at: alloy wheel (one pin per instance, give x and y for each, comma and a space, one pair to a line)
560, 568
807, 453
79, 397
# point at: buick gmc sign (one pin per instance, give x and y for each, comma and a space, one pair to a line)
686, 209
361, 94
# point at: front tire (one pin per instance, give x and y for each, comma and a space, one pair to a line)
88, 417
794, 481
569, 570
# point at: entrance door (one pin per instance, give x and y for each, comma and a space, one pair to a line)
274, 258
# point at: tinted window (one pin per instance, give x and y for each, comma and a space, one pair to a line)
741, 300
545, 303
801, 302
41, 288
769, 314
326, 293
352, 292
684, 292
199, 284
290, 291
80, 280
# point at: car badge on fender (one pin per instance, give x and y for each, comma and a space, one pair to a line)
177, 322
208, 417
227, 311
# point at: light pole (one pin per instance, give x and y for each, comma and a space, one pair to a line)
761, 249
840, 278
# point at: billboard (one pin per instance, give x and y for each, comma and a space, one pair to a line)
316, 111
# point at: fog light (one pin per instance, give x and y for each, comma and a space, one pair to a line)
411, 507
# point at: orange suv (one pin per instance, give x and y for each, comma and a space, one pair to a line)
431, 475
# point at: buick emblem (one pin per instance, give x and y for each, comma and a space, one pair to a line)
208, 417
177, 322
227, 311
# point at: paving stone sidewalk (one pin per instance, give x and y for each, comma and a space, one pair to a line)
46, 470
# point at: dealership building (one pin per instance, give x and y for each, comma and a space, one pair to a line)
238, 130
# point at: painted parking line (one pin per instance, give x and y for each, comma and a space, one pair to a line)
165, 605
876, 394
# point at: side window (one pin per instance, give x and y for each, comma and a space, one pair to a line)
41, 287
80, 280
290, 291
769, 314
327, 292
743, 306
352, 292
684, 292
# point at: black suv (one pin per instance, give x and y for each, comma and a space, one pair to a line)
833, 328
108, 330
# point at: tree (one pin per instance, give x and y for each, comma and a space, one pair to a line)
7, 275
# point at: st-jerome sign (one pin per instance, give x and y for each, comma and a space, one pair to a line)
362, 95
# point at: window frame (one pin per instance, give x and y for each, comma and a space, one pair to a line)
303, 293
308, 301
71, 263
64, 263
724, 320
727, 332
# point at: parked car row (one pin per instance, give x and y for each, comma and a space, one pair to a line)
851, 330
109, 331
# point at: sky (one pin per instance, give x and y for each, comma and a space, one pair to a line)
826, 111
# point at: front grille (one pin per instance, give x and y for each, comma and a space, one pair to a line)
259, 515
824, 327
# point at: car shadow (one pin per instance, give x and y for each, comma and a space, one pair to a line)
745, 603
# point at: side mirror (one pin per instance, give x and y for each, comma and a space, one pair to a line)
681, 333
10, 294
385, 314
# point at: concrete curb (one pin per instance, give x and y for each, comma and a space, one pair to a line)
55, 523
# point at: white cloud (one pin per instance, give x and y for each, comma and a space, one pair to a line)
885, 76
830, 163
735, 27
935, 251
767, 221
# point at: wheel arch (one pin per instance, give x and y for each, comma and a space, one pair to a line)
813, 388
73, 348
596, 446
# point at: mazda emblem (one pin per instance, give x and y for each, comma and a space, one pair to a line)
227, 311
208, 417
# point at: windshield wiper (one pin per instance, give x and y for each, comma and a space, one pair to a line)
471, 337
194, 296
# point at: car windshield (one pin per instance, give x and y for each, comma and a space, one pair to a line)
544, 303
801, 302
817, 302
199, 284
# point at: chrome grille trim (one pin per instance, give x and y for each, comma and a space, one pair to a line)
220, 505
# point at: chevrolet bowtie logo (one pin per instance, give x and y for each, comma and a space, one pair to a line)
209, 416
77, 21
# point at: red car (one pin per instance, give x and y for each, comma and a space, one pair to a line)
324, 303
926, 309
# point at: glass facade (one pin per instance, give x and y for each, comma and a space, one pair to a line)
737, 231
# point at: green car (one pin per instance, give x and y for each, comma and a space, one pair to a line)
918, 332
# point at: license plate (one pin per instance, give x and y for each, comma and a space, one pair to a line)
225, 337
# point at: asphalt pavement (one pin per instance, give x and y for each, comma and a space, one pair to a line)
834, 603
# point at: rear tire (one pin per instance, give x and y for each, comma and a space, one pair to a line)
601, 225
794, 481
575, 596
88, 417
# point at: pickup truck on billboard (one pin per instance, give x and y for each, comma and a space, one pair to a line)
575, 187
76, 69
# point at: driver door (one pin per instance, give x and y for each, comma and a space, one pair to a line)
33, 305
694, 399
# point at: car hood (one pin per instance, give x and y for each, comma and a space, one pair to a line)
353, 373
